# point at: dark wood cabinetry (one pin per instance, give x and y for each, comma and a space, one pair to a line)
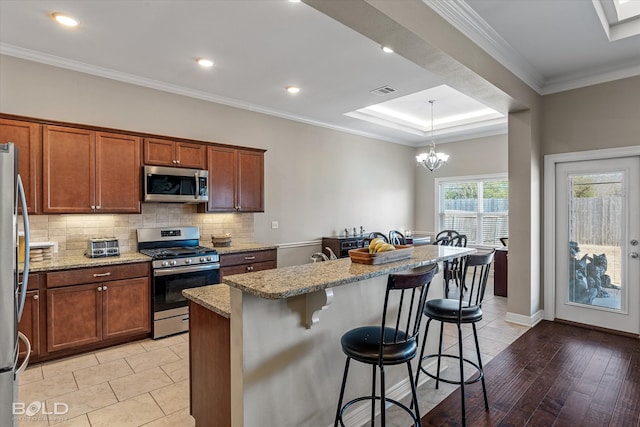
246, 262
341, 245
90, 305
164, 152
26, 137
500, 266
236, 180
30, 324
86, 171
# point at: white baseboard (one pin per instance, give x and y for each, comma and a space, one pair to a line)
520, 319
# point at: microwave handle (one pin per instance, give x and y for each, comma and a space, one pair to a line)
197, 176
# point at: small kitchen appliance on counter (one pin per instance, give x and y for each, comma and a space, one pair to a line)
178, 262
102, 246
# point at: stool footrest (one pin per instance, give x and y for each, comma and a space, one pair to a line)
386, 399
479, 371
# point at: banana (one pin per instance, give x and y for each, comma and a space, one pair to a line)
386, 248
373, 243
379, 245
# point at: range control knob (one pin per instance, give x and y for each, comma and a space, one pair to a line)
173, 262
187, 261
208, 258
165, 263
201, 259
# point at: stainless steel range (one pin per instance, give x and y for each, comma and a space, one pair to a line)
178, 262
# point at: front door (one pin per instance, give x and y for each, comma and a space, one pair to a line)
597, 233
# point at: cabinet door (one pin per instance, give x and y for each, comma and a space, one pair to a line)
159, 152
191, 155
250, 181
30, 323
222, 179
68, 170
117, 173
126, 307
26, 137
74, 316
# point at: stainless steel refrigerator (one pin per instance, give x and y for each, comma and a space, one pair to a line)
12, 292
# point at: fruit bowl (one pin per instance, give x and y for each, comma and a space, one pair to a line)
362, 256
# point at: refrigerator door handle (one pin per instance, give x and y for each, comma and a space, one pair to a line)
25, 272
27, 345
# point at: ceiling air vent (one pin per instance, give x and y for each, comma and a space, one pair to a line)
384, 90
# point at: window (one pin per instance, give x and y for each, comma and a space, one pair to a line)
476, 207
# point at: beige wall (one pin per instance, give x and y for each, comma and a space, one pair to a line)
480, 156
317, 181
601, 116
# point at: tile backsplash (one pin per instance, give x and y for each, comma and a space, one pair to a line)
72, 232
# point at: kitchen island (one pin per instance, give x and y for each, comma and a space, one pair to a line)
265, 346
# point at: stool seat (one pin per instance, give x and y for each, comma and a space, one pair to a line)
363, 345
446, 310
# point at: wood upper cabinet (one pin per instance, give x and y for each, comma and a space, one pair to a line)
26, 136
236, 180
163, 152
97, 310
86, 171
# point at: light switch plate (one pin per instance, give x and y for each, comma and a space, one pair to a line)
274, 224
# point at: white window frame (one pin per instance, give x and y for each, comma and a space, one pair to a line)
467, 178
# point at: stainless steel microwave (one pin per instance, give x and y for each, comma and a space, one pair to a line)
175, 185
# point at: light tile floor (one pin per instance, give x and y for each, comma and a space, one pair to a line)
146, 383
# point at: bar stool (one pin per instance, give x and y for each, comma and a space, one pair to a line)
467, 308
392, 343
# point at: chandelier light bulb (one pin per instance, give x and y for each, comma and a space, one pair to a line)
432, 160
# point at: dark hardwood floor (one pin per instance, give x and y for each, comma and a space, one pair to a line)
554, 375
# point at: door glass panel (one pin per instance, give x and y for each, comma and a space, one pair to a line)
596, 227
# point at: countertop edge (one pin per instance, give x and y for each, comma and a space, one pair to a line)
239, 281
216, 298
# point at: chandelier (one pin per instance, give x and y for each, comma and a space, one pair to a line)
432, 160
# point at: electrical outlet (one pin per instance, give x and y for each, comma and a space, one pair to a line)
274, 224
55, 247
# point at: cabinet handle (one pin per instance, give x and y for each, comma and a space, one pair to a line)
93, 206
104, 288
250, 268
108, 273
99, 288
250, 257
178, 161
173, 161
36, 297
98, 207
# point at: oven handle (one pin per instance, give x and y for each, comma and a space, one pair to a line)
189, 269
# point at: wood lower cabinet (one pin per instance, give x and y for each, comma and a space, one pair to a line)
30, 323
236, 180
26, 137
247, 262
85, 171
164, 152
100, 309
500, 273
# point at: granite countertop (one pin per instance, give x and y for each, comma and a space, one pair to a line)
80, 261
216, 298
298, 280
239, 247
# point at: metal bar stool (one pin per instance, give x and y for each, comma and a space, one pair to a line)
392, 343
466, 309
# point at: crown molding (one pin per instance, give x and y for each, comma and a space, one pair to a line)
459, 14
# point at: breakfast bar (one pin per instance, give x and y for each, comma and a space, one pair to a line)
265, 346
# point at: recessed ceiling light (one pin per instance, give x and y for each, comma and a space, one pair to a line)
65, 20
294, 1
293, 89
387, 49
204, 62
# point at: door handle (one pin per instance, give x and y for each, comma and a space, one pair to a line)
634, 254
634, 242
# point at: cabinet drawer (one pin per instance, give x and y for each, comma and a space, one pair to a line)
96, 274
251, 257
247, 268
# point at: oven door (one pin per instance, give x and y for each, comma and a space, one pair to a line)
168, 284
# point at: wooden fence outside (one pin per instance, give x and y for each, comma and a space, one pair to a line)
596, 221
